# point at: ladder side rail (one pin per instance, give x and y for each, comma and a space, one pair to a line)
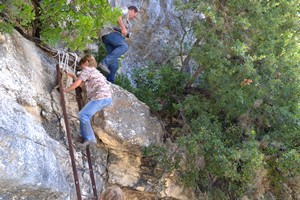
71, 151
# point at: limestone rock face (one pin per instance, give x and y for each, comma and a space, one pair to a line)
36, 163
33, 165
31, 160
35, 160
128, 124
2, 38
156, 33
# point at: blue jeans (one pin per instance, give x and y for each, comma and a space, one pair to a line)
116, 46
87, 113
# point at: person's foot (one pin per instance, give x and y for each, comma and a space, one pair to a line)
87, 143
103, 69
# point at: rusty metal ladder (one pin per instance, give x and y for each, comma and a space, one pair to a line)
69, 137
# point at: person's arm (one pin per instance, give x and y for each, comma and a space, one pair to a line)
72, 76
75, 79
74, 85
122, 26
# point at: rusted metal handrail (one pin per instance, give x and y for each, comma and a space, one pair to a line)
69, 136
88, 153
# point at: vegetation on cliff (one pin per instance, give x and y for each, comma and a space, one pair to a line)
233, 115
241, 115
71, 23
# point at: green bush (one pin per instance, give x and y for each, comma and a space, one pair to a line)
220, 132
160, 88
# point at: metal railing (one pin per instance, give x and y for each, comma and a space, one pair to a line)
69, 138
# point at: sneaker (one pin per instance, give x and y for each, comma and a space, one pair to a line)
103, 68
87, 143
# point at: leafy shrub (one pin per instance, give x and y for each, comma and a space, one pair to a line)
229, 141
158, 88
250, 119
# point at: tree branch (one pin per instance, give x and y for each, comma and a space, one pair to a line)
36, 25
181, 44
194, 76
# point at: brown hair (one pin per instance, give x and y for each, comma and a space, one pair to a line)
112, 193
90, 58
133, 8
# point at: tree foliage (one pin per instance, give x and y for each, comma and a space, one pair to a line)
249, 121
243, 115
73, 23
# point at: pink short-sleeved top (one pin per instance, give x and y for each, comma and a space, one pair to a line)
96, 85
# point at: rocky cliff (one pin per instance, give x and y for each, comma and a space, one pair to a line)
156, 33
35, 161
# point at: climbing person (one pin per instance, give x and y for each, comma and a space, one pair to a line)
112, 193
114, 41
98, 92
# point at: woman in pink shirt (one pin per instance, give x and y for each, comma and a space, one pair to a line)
98, 91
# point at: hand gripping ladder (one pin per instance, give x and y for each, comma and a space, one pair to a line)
69, 137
